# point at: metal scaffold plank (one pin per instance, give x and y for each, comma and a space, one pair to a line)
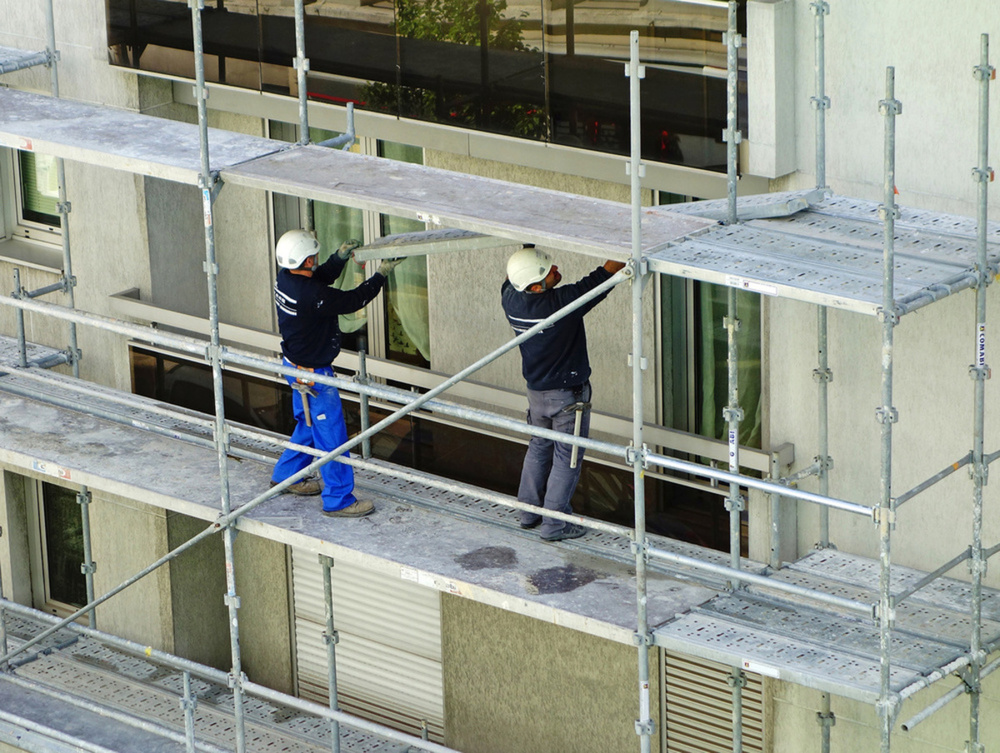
118, 139
554, 219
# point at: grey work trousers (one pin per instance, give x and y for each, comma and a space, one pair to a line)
546, 478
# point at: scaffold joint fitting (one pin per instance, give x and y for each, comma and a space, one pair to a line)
972, 747
978, 565
737, 39
301, 64
983, 176
737, 679
728, 321
885, 515
737, 136
823, 375
189, 704
980, 373
885, 414
642, 639
64, 207
731, 414
820, 8
637, 457
882, 212
890, 107
332, 638
647, 727
826, 720
231, 600
88, 568
984, 72
636, 547
824, 463
979, 473
52, 57
233, 680
737, 503
820, 103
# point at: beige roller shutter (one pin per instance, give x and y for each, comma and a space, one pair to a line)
389, 655
699, 707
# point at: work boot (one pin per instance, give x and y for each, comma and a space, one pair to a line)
307, 487
356, 510
570, 531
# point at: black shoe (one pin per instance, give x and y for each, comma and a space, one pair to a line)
529, 526
570, 531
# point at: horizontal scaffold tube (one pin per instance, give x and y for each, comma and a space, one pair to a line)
957, 691
211, 674
961, 462
755, 483
763, 581
899, 598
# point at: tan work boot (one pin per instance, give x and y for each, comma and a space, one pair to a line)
307, 487
357, 510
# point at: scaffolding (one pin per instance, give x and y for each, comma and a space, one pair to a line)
771, 245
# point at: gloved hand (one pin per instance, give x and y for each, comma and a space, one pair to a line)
388, 265
344, 252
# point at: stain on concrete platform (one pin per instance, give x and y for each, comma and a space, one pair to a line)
488, 557
559, 580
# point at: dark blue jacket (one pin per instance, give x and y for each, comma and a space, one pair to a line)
556, 357
308, 309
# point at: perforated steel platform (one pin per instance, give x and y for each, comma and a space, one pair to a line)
830, 253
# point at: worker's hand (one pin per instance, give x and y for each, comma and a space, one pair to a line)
344, 252
614, 266
388, 265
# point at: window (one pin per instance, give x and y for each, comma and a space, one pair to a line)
56, 536
29, 185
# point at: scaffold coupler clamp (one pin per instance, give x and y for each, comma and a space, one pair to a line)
637, 457
980, 373
737, 679
973, 747
233, 680
826, 720
892, 316
645, 727
885, 516
636, 548
823, 375
978, 565
579, 408
331, 638
642, 639
888, 707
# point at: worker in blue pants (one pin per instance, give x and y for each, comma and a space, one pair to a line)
308, 310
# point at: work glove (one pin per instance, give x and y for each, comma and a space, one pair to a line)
344, 252
387, 266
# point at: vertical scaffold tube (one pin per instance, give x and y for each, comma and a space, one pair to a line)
22, 340
88, 566
301, 64
644, 725
886, 414
733, 414
330, 639
208, 188
362, 378
731, 135
980, 373
62, 205
820, 102
188, 704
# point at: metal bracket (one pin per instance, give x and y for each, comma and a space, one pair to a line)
642, 639
304, 62
981, 565
740, 503
737, 39
890, 107
205, 269
88, 568
642, 169
882, 213
877, 617
647, 727
640, 71
884, 515
73, 356
826, 720
820, 8
187, 705
635, 548
983, 176
64, 207
820, 103
643, 362
52, 57
233, 680
732, 413
331, 639
231, 600
737, 136
886, 415
728, 322
984, 73
823, 375
971, 747
979, 474
738, 680
637, 457
825, 464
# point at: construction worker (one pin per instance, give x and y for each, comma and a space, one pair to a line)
310, 340
556, 367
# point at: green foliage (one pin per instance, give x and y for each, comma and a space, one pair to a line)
458, 21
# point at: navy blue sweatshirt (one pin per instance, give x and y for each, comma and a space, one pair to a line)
308, 309
556, 357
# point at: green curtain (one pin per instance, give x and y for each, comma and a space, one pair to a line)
39, 187
714, 369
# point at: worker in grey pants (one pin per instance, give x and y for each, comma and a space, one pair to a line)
556, 367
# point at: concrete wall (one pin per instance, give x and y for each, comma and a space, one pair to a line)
513, 683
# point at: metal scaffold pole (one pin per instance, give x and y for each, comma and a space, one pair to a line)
733, 414
644, 725
980, 372
88, 567
886, 413
209, 187
823, 375
62, 205
301, 65
330, 638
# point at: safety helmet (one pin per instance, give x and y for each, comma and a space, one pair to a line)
528, 266
294, 247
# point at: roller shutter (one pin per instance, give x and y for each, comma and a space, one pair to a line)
389, 655
699, 708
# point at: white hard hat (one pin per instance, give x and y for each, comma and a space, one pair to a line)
294, 247
528, 266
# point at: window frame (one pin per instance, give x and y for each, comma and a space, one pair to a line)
41, 596
22, 240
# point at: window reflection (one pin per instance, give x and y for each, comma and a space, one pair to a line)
548, 70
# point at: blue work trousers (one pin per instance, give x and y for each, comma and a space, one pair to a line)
327, 432
546, 478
